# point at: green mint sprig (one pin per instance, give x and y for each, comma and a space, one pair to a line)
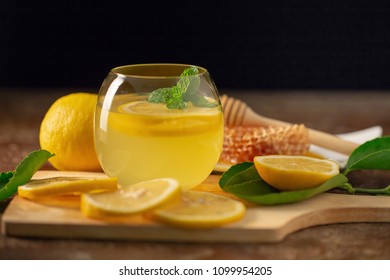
186, 90
243, 180
11, 180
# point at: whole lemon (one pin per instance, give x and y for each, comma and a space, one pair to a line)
67, 131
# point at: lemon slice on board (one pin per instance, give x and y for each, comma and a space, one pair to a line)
42, 188
130, 199
288, 173
201, 210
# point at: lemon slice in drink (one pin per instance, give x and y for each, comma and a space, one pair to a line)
130, 199
41, 188
288, 173
159, 109
201, 210
132, 118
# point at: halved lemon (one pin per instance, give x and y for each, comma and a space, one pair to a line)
130, 199
201, 210
41, 188
288, 173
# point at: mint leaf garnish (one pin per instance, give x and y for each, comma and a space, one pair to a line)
174, 100
10, 181
186, 90
198, 100
185, 79
159, 95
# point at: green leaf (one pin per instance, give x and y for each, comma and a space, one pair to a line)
24, 171
192, 94
243, 179
159, 95
374, 154
4, 178
199, 100
175, 99
251, 188
185, 79
249, 174
233, 170
193, 86
260, 192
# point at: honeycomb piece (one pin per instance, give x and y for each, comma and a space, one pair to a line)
244, 143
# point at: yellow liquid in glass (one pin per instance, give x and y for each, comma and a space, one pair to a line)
138, 141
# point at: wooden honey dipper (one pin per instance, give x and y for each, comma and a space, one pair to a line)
238, 113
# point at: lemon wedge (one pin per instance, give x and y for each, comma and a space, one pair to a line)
288, 173
41, 188
201, 210
130, 199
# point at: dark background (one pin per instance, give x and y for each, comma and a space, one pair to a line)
244, 44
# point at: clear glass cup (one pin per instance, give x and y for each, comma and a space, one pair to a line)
138, 138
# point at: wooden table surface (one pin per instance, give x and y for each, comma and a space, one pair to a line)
333, 111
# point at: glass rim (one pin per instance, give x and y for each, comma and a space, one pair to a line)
120, 69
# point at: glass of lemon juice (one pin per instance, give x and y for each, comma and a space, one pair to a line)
158, 120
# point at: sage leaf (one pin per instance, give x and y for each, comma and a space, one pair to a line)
23, 172
374, 154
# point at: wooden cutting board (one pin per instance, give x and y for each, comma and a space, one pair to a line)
61, 218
